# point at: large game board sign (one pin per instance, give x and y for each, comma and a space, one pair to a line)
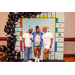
54, 21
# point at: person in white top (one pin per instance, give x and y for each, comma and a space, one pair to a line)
47, 43
27, 41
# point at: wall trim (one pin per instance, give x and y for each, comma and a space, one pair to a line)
1, 53
65, 39
69, 55
2, 38
69, 39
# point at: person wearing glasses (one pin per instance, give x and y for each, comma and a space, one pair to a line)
47, 43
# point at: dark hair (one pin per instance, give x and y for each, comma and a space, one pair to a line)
37, 27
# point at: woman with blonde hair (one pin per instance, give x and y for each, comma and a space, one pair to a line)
47, 42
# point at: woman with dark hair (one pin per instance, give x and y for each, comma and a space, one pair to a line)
37, 43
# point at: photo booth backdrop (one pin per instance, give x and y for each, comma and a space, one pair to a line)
69, 30
55, 22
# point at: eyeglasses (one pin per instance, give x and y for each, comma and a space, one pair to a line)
44, 29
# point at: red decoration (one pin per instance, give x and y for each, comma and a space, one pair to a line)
34, 17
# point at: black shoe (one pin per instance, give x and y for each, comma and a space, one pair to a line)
44, 60
47, 59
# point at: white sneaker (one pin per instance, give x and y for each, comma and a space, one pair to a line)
38, 60
35, 61
29, 61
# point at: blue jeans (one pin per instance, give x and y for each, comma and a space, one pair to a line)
27, 52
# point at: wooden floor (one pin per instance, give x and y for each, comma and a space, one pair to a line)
67, 59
